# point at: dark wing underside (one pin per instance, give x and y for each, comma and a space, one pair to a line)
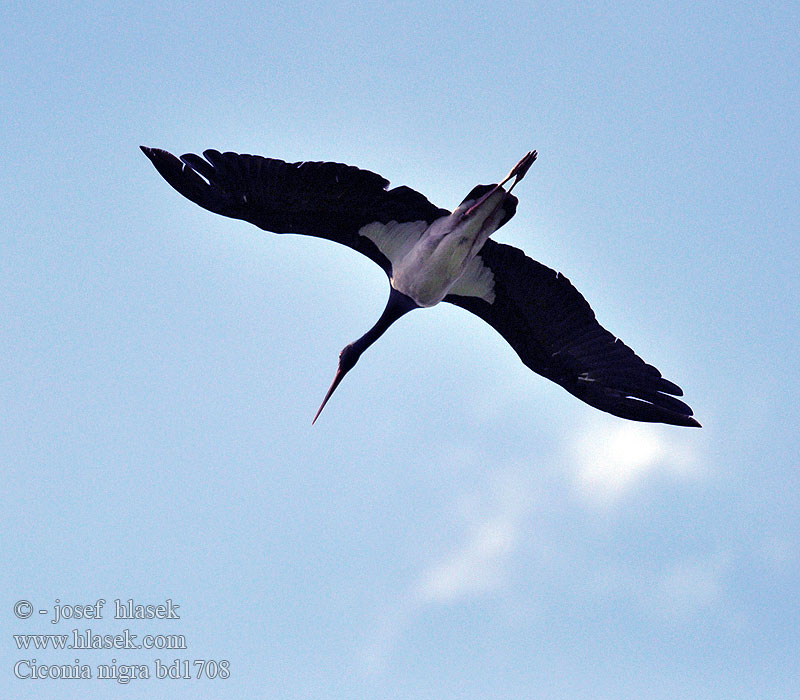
554, 331
326, 200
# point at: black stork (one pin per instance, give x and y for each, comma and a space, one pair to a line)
432, 255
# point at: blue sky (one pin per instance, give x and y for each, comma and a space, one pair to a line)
453, 525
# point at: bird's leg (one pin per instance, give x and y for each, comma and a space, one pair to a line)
521, 168
518, 172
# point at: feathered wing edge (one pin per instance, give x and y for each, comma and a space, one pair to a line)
554, 331
326, 200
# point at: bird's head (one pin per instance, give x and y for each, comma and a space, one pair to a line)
397, 305
347, 360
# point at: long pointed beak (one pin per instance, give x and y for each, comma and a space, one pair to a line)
337, 378
517, 172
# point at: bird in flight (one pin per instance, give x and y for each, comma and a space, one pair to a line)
432, 255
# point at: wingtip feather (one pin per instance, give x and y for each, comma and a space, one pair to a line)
182, 176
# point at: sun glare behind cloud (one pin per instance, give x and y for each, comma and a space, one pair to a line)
612, 460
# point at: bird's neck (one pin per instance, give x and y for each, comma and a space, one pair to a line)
398, 305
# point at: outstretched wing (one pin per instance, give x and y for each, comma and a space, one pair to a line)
554, 331
327, 200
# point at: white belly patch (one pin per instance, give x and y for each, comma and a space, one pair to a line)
429, 270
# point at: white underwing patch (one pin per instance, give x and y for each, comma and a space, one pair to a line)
394, 239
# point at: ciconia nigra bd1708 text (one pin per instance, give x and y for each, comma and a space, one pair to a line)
432, 255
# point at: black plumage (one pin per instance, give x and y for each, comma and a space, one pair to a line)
537, 310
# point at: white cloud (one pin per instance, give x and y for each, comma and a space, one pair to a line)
375, 653
676, 591
612, 458
476, 565
608, 460
689, 587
